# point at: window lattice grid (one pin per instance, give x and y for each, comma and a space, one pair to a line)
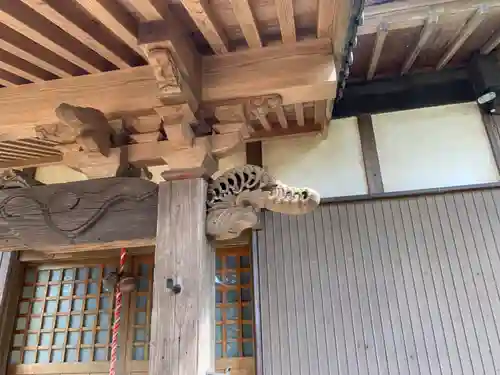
64, 315
140, 308
234, 333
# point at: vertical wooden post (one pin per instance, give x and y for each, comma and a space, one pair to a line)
370, 155
492, 126
183, 324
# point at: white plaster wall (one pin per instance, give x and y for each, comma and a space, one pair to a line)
58, 174
433, 147
333, 167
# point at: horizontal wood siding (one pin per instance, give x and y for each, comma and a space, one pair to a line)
393, 286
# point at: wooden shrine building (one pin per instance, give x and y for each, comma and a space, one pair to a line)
146, 147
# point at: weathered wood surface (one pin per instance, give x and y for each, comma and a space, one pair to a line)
88, 215
10, 287
183, 325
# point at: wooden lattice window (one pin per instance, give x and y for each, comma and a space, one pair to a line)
140, 309
64, 316
234, 310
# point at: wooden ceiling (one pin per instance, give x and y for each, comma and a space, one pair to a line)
50, 39
408, 36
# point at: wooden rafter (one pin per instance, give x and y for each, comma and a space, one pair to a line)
286, 20
246, 19
492, 43
299, 113
427, 30
23, 68
471, 25
382, 32
80, 28
115, 18
20, 17
147, 10
202, 15
30, 52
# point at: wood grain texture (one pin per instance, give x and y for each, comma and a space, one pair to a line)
11, 274
89, 214
387, 286
370, 155
492, 127
310, 75
183, 325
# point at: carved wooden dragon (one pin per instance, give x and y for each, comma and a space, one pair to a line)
236, 197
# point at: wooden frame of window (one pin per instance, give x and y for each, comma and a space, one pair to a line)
56, 297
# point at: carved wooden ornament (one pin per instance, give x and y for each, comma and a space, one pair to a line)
236, 197
166, 73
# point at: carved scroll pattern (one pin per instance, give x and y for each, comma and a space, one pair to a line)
236, 197
69, 213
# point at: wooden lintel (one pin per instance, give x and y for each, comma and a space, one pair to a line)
79, 216
299, 72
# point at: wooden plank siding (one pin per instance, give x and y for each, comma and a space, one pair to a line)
389, 286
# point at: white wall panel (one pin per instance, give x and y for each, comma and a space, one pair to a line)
58, 174
333, 167
433, 147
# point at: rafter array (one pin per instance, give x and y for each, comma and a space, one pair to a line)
49, 39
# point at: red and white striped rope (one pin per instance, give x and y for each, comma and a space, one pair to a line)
118, 309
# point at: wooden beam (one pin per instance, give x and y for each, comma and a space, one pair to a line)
182, 320
309, 75
81, 27
97, 219
203, 17
492, 127
246, 19
427, 30
471, 25
253, 152
286, 20
405, 92
326, 17
491, 44
370, 155
307, 66
382, 32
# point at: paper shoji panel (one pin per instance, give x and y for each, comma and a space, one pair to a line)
64, 315
234, 332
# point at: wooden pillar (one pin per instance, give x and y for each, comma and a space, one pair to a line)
183, 323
